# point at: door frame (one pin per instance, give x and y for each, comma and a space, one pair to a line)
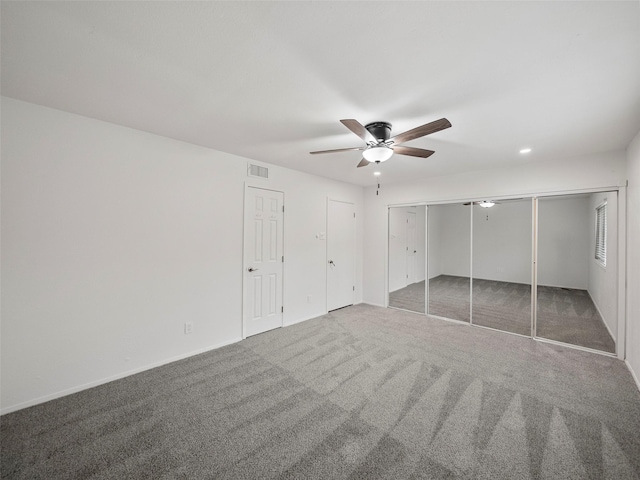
248, 185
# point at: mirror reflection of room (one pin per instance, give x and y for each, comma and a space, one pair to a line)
407, 258
577, 270
449, 246
502, 262
576, 266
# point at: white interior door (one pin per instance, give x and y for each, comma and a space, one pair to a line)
341, 254
411, 248
263, 260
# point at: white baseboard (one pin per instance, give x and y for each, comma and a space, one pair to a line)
373, 304
79, 388
604, 320
304, 319
311, 317
633, 374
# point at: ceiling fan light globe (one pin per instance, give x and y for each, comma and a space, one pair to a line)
377, 154
486, 204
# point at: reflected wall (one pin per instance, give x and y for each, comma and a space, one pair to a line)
449, 247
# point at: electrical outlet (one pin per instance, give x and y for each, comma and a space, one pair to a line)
188, 328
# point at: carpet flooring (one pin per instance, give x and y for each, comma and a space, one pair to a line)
569, 315
409, 298
360, 393
565, 315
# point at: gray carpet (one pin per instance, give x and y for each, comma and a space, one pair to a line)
449, 297
502, 305
360, 393
566, 315
569, 315
409, 298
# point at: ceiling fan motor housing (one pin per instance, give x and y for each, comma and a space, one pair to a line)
381, 131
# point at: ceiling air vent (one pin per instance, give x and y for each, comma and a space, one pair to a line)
258, 171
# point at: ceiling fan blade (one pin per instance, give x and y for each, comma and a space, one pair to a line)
413, 152
337, 150
357, 128
421, 131
363, 163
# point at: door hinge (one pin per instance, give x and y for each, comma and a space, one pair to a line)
354, 288
282, 309
354, 214
283, 208
282, 258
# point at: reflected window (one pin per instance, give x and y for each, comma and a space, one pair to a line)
601, 234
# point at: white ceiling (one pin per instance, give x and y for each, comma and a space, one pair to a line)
271, 80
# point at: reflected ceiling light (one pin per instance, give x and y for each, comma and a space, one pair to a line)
525, 150
486, 204
377, 174
377, 153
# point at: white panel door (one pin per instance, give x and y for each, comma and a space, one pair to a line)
341, 254
263, 260
411, 248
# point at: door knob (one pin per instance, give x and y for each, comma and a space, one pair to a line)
331, 263
253, 269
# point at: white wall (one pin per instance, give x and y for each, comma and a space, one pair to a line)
603, 281
593, 171
502, 242
454, 239
633, 259
563, 241
421, 242
112, 238
397, 248
434, 255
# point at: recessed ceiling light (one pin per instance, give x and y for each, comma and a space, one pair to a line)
377, 174
525, 150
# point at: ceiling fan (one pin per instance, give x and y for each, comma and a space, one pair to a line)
491, 203
483, 203
380, 146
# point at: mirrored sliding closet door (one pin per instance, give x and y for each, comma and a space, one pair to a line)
486, 259
449, 248
502, 258
577, 270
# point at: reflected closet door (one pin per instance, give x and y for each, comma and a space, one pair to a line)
577, 270
449, 249
502, 264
